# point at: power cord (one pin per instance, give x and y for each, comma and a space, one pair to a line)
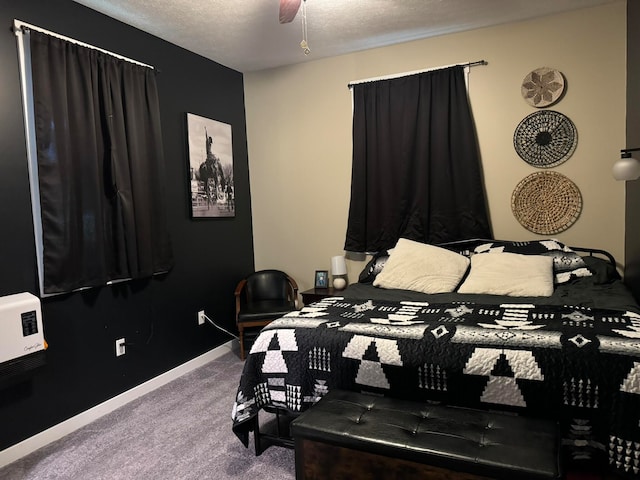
220, 328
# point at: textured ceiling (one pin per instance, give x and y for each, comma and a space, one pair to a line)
245, 34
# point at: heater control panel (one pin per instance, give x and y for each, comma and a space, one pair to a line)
29, 323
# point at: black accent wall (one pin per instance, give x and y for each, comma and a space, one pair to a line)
632, 211
158, 316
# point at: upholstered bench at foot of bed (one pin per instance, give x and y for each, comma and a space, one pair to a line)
348, 435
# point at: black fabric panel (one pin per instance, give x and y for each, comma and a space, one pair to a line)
100, 165
632, 189
416, 169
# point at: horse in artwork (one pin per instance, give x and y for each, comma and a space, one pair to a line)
209, 178
211, 174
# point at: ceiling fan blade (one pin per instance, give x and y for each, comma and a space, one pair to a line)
288, 10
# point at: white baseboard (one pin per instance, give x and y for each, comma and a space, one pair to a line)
58, 431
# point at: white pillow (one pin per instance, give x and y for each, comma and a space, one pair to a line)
422, 268
510, 274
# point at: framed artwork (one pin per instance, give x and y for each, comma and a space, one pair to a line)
210, 168
322, 279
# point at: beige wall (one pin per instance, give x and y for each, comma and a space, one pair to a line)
299, 132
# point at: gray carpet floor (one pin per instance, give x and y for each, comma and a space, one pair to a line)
179, 431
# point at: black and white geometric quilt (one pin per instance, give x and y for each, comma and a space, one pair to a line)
577, 365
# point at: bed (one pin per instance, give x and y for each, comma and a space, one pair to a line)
541, 330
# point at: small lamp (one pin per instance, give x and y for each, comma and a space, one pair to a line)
627, 168
339, 271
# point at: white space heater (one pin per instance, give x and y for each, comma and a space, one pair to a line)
22, 341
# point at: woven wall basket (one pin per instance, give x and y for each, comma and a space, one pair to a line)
546, 203
542, 87
545, 139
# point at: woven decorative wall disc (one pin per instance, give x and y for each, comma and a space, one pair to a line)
542, 87
546, 203
545, 139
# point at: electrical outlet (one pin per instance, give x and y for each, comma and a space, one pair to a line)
120, 349
201, 318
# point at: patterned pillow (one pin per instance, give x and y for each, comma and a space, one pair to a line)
464, 247
374, 267
567, 264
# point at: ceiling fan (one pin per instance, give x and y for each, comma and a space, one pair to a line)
289, 10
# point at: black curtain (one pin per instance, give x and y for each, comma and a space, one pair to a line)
100, 166
416, 169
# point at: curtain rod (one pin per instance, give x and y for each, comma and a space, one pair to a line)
398, 75
20, 27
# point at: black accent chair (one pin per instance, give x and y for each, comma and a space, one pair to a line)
263, 297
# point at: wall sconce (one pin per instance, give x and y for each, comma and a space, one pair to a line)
627, 168
339, 271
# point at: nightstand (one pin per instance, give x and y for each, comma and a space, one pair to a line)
317, 294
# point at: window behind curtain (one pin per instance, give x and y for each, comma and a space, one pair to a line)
99, 169
416, 170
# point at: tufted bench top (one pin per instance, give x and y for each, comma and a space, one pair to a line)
477, 442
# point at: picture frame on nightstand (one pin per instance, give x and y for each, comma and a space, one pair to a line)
322, 279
